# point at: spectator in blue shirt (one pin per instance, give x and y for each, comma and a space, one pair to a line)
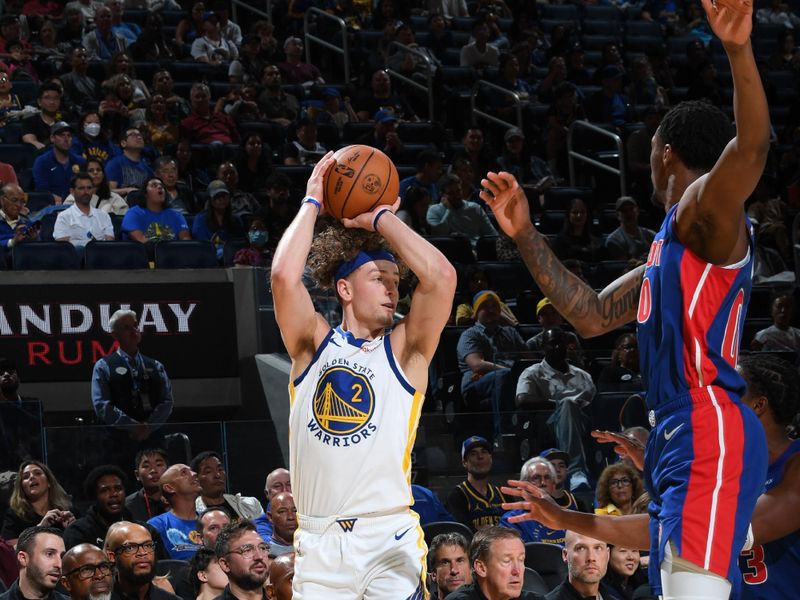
53, 170
429, 170
217, 223
13, 228
127, 172
428, 506
278, 481
178, 526
151, 222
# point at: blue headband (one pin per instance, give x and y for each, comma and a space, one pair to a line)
344, 269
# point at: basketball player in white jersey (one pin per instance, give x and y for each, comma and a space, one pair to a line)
356, 392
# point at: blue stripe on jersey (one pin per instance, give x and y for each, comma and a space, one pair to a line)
676, 283
390, 357
313, 358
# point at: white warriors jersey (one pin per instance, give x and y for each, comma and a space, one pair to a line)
352, 425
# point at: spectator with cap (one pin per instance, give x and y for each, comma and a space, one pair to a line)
565, 499
39, 551
305, 149
149, 466
213, 481
211, 47
384, 136
282, 514
128, 171
81, 223
178, 526
294, 69
448, 564
476, 502
478, 281
203, 126
548, 316
566, 388
429, 170
497, 558
455, 216
485, 374
278, 481
335, 109
105, 485
629, 240
217, 223
281, 576
542, 474
53, 170
529, 169
608, 105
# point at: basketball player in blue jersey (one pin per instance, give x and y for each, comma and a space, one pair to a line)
692, 296
356, 392
772, 559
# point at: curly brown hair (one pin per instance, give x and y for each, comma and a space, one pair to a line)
615, 470
337, 244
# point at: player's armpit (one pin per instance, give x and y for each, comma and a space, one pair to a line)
777, 512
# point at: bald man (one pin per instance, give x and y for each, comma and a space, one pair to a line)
132, 550
87, 573
177, 527
277, 481
283, 516
587, 563
281, 574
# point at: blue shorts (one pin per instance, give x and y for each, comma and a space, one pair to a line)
705, 467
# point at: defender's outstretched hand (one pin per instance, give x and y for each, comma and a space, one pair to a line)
508, 202
540, 506
626, 447
730, 20
367, 220
316, 183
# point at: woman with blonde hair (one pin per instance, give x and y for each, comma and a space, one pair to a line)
37, 499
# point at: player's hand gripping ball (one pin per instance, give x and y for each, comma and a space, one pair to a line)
361, 179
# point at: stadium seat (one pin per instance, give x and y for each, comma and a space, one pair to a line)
272, 133
11, 134
644, 43
19, 155
559, 198
230, 249
45, 256
547, 561
604, 13
27, 90
186, 254
534, 582
431, 530
508, 279
115, 255
486, 248
456, 249
171, 567
48, 224
644, 29
551, 221
603, 273
611, 28
2, 259
39, 200
420, 133
565, 12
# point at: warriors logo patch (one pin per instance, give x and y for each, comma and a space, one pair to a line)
343, 401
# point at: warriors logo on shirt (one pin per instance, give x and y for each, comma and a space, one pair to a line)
343, 401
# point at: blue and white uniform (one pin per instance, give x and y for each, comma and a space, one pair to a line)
353, 421
706, 458
769, 570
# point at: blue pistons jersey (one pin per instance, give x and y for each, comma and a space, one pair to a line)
769, 571
352, 425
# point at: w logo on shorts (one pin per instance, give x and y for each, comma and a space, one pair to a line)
347, 524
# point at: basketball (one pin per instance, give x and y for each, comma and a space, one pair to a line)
361, 179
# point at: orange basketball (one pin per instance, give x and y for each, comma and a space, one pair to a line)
361, 179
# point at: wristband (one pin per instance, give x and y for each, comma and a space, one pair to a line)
378, 216
310, 200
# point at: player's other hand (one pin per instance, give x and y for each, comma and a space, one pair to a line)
316, 183
624, 446
730, 20
508, 202
366, 220
537, 504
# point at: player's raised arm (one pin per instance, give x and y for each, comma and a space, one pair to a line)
710, 218
432, 300
302, 329
589, 312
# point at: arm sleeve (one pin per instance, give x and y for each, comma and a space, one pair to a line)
163, 410
60, 228
114, 172
437, 218
486, 225
131, 221
39, 176
108, 226
101, 398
